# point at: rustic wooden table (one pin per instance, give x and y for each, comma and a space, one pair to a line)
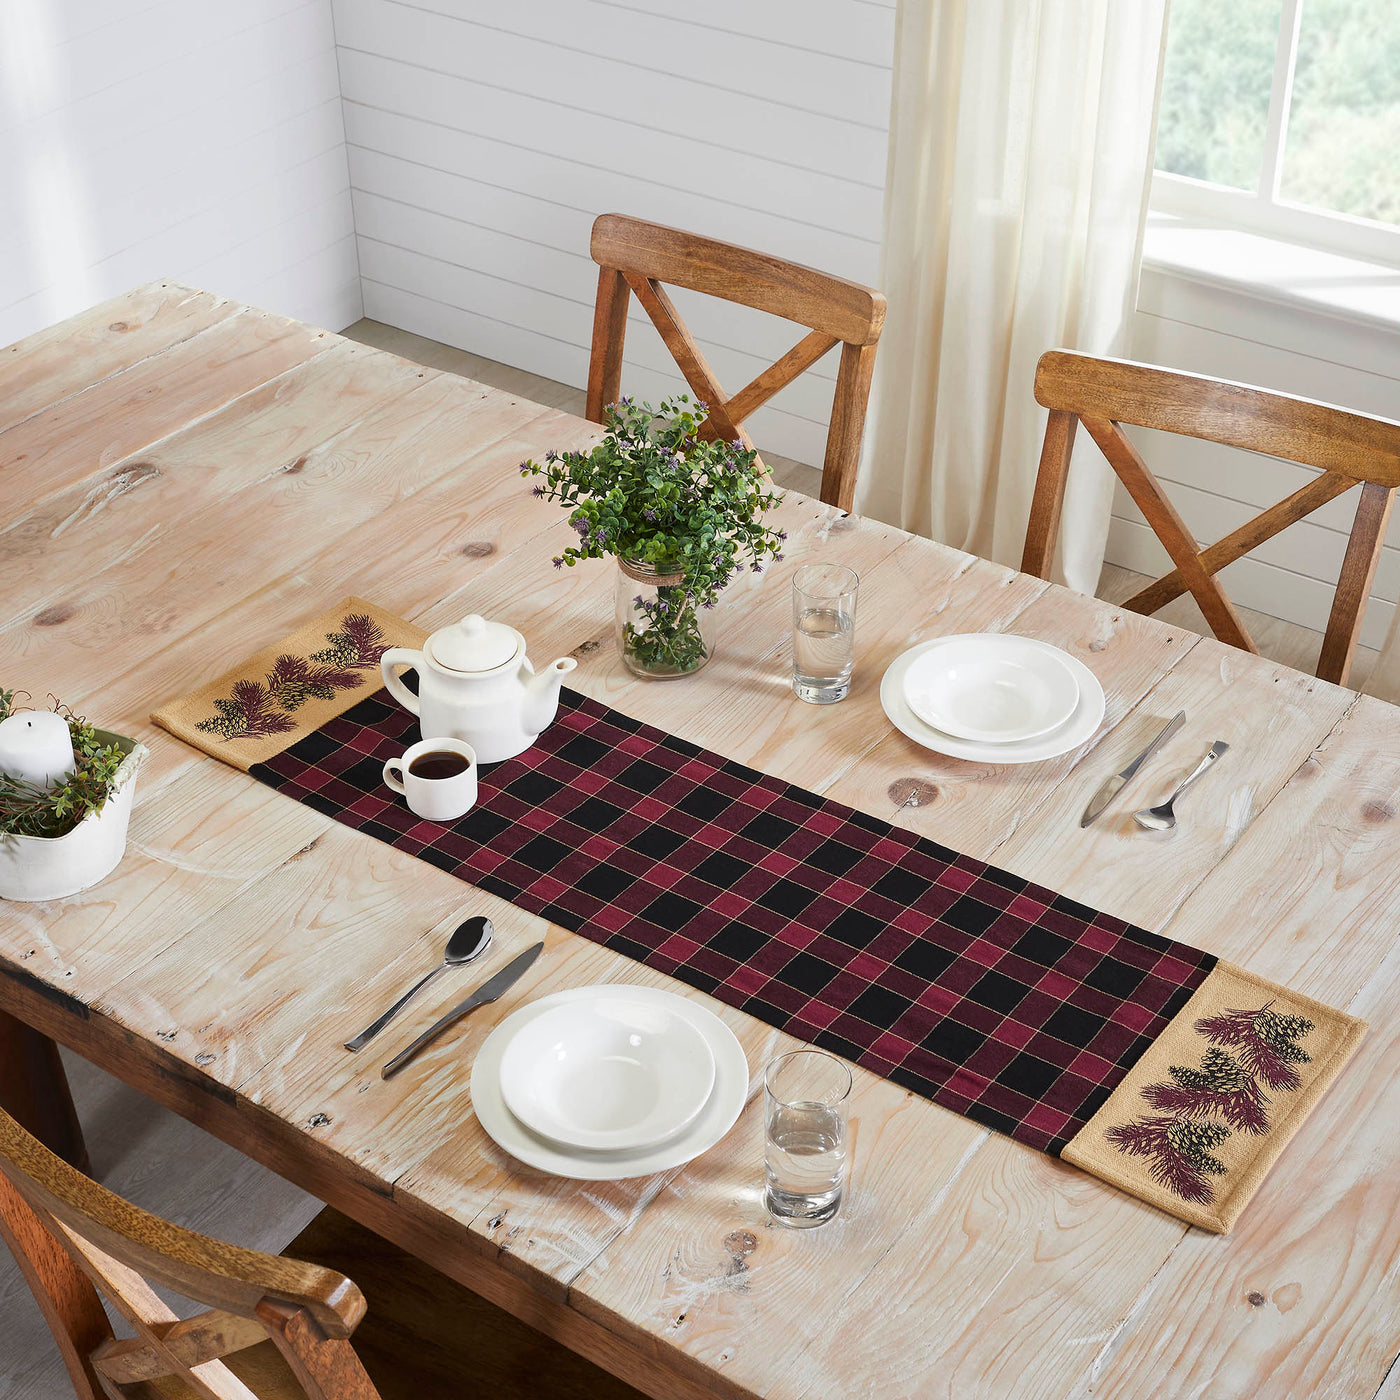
182, 480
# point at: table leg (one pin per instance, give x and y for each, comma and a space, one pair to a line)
34, 1091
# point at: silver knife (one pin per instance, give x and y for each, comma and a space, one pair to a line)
1114, 785
489, 990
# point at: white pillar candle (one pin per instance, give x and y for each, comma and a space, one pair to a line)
35, 746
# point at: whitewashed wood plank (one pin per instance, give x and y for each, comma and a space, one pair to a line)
591, 188
611, 143
78, 534
590, 60
787, 67
50, 365
152, 33
1299, 1299
91, 431
135, 194
861, 32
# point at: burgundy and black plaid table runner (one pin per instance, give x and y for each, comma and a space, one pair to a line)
992, 996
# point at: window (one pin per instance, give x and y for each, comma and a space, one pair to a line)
1282, 117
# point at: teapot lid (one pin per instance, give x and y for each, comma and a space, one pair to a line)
474, 644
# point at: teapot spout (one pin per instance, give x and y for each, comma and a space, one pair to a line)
542, 694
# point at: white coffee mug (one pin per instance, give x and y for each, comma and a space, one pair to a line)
437, 797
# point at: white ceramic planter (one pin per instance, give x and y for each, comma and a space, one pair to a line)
49, 867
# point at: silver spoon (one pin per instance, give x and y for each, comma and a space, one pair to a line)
472, 938
1163, 818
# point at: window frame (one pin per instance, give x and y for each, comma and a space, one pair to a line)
1265, 211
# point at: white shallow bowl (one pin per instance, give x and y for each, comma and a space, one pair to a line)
613, 1073
1078, 729
726, 1101
992, 688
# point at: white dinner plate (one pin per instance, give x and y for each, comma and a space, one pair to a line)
1078, 729
726, 1100
992, 687
613, 1073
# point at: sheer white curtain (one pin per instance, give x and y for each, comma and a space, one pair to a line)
1020, 160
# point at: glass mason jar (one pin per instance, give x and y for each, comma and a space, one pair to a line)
661, 632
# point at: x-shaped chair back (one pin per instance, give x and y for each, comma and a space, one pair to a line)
74, 1239
635, 256
1350, 448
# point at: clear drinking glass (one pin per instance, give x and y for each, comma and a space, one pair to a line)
805, 1095
823, 632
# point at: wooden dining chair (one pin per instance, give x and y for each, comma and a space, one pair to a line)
635, 256
1351, 448
274, 1328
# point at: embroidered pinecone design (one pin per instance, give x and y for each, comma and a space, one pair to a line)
258, 708
292, 681
1220, 1073
1281, 1032
357, 644
1265, 1042
1194, 1141
1200, 1107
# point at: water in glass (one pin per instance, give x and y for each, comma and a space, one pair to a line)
821, 650
805, 1162
806, 1097
823, 632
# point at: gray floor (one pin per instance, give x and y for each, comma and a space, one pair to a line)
174, 1169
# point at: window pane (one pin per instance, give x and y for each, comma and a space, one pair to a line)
1343, 147
1215, 89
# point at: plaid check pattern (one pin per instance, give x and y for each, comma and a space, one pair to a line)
992, 996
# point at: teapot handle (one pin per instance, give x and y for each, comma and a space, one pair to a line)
401, 656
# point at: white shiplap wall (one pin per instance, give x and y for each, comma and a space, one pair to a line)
196, 139
484, 138
1209, 329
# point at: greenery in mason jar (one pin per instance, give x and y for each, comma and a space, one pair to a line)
653, 492
26, 809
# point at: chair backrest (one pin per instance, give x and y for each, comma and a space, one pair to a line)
74, 1239
636, 256
1351, 448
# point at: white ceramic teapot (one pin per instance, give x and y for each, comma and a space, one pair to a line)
475, 684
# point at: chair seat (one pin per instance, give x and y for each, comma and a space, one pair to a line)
425, 1336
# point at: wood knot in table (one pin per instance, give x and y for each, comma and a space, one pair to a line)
477, 549
119, 326
1255, 1300
912, 792
1377, 812
319, 1120
294, 468
128, 478
55, 614
589, 647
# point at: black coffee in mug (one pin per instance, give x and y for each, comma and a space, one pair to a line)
439, 763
